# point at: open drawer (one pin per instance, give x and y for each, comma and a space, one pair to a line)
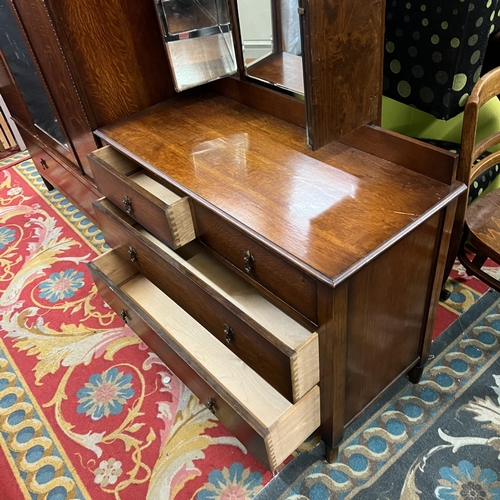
260, 417
281, 350
164, 213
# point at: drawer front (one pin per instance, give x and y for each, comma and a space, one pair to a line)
246, 341
265, 422
256, 262
67, 181
172, 223
219, 407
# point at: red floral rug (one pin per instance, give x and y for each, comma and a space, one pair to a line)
465, 291
87, 411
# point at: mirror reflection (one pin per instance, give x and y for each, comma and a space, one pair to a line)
270, 34
18, 58
188, 15
198, 38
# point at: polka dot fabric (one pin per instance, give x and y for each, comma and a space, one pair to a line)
434, 51
483, 181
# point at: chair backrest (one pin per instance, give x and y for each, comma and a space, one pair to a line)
484, 90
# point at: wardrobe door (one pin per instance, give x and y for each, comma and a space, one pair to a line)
51, 64
38, 114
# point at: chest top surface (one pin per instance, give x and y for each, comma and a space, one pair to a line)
329, 210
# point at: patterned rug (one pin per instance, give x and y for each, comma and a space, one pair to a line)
88, 412
439, 439
13, 159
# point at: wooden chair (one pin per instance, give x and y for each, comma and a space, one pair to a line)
481, 219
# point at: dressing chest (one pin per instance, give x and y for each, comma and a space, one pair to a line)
287, 288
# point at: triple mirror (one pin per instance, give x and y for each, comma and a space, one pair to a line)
203, 44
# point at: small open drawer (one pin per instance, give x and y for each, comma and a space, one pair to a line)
272, 343
162, 212
261, 418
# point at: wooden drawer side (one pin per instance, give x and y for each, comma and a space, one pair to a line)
284, 435
249, 395
305, 366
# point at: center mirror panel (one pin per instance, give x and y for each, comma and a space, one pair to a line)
271, 43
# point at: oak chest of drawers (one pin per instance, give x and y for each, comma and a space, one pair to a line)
287, 289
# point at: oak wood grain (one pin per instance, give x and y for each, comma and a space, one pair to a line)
116, 54
157, 208
343, 66
266, 268
435, 286
221, 409
263, 99
332, 312
283, 426
247, 165
410, 153
388, 312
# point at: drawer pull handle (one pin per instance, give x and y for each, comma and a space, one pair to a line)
211, 405
124, 316
229, 333
128, 204
249, 260
43, 163
132, 253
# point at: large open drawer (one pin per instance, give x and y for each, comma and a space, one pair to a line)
260, 417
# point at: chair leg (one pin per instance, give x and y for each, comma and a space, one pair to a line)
479, 260
473, 267
444, 295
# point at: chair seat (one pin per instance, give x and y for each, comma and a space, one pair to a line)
483, 223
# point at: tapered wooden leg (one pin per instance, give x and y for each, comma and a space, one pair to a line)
332, 313
331, 454
48, 185
415, 374
444, 294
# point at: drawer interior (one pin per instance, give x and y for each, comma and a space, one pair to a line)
121, 164
242, 294
136, 174
156, 189
291, 337
283, 425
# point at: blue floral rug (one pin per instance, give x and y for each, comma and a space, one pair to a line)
439, 439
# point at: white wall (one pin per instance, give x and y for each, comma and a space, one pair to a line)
256, 27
